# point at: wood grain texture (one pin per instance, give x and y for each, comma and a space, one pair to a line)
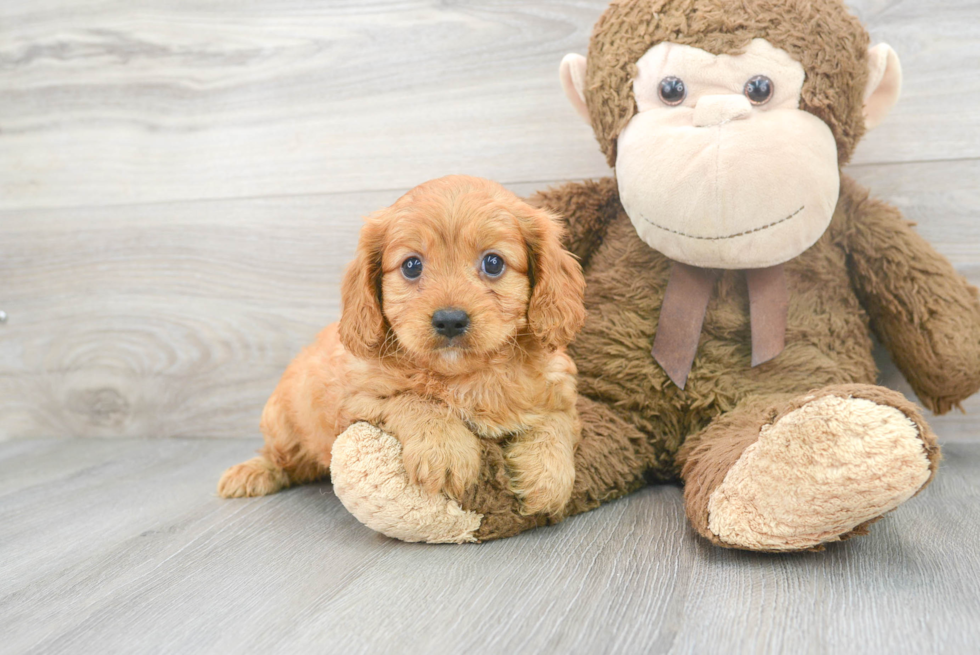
177, 319
121, 546
109, 102
172, 319
248, 138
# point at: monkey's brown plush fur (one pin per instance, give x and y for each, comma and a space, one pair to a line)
869, 270
810, 416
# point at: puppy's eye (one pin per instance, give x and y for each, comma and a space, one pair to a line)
412, 268
759, 90
672, 91
493, 264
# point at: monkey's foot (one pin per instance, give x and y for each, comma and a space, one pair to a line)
821, 471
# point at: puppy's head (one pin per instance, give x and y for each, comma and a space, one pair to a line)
456, 270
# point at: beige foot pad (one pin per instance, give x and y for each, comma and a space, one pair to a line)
817, 473
370, 480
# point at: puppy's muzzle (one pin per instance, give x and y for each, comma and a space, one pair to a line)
450, 323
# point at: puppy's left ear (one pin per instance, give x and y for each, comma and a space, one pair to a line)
556, 311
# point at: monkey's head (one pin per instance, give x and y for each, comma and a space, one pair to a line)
727, 122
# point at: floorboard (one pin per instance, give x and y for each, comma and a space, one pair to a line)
121, 546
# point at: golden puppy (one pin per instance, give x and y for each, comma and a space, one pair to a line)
456, 313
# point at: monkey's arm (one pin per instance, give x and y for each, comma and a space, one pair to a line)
921, 309
586, 209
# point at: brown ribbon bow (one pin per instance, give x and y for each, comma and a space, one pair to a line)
686, 301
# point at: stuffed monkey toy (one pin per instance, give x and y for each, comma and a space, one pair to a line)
734, 279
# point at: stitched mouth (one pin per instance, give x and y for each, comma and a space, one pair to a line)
728, 236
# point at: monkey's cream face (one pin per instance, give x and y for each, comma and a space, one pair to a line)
720, 168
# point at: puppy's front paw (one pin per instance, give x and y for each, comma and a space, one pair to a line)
447, 460
542, 476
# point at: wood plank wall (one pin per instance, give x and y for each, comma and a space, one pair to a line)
181, 183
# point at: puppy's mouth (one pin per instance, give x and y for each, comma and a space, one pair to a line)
451, 354
458, 348
454, 346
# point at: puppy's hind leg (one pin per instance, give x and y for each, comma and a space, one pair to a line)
256, 477
299, 423
283, 461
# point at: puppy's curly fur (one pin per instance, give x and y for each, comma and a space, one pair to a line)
506, 377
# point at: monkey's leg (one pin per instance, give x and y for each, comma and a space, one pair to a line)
793, 473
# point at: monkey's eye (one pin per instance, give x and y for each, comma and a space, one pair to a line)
412, 268
672, 91
759, 90
493, 264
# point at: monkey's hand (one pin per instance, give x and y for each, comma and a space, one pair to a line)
922, 310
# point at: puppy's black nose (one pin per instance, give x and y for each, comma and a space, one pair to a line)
450, 322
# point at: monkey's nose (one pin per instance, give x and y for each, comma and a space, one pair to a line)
716, 110
450, 322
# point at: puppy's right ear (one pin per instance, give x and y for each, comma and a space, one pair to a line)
362, 325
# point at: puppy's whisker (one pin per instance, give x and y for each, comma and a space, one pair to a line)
389, 343
516, 345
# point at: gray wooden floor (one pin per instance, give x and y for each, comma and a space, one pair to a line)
121, 546
181, 184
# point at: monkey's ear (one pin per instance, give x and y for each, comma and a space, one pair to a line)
572, 73
884, 84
